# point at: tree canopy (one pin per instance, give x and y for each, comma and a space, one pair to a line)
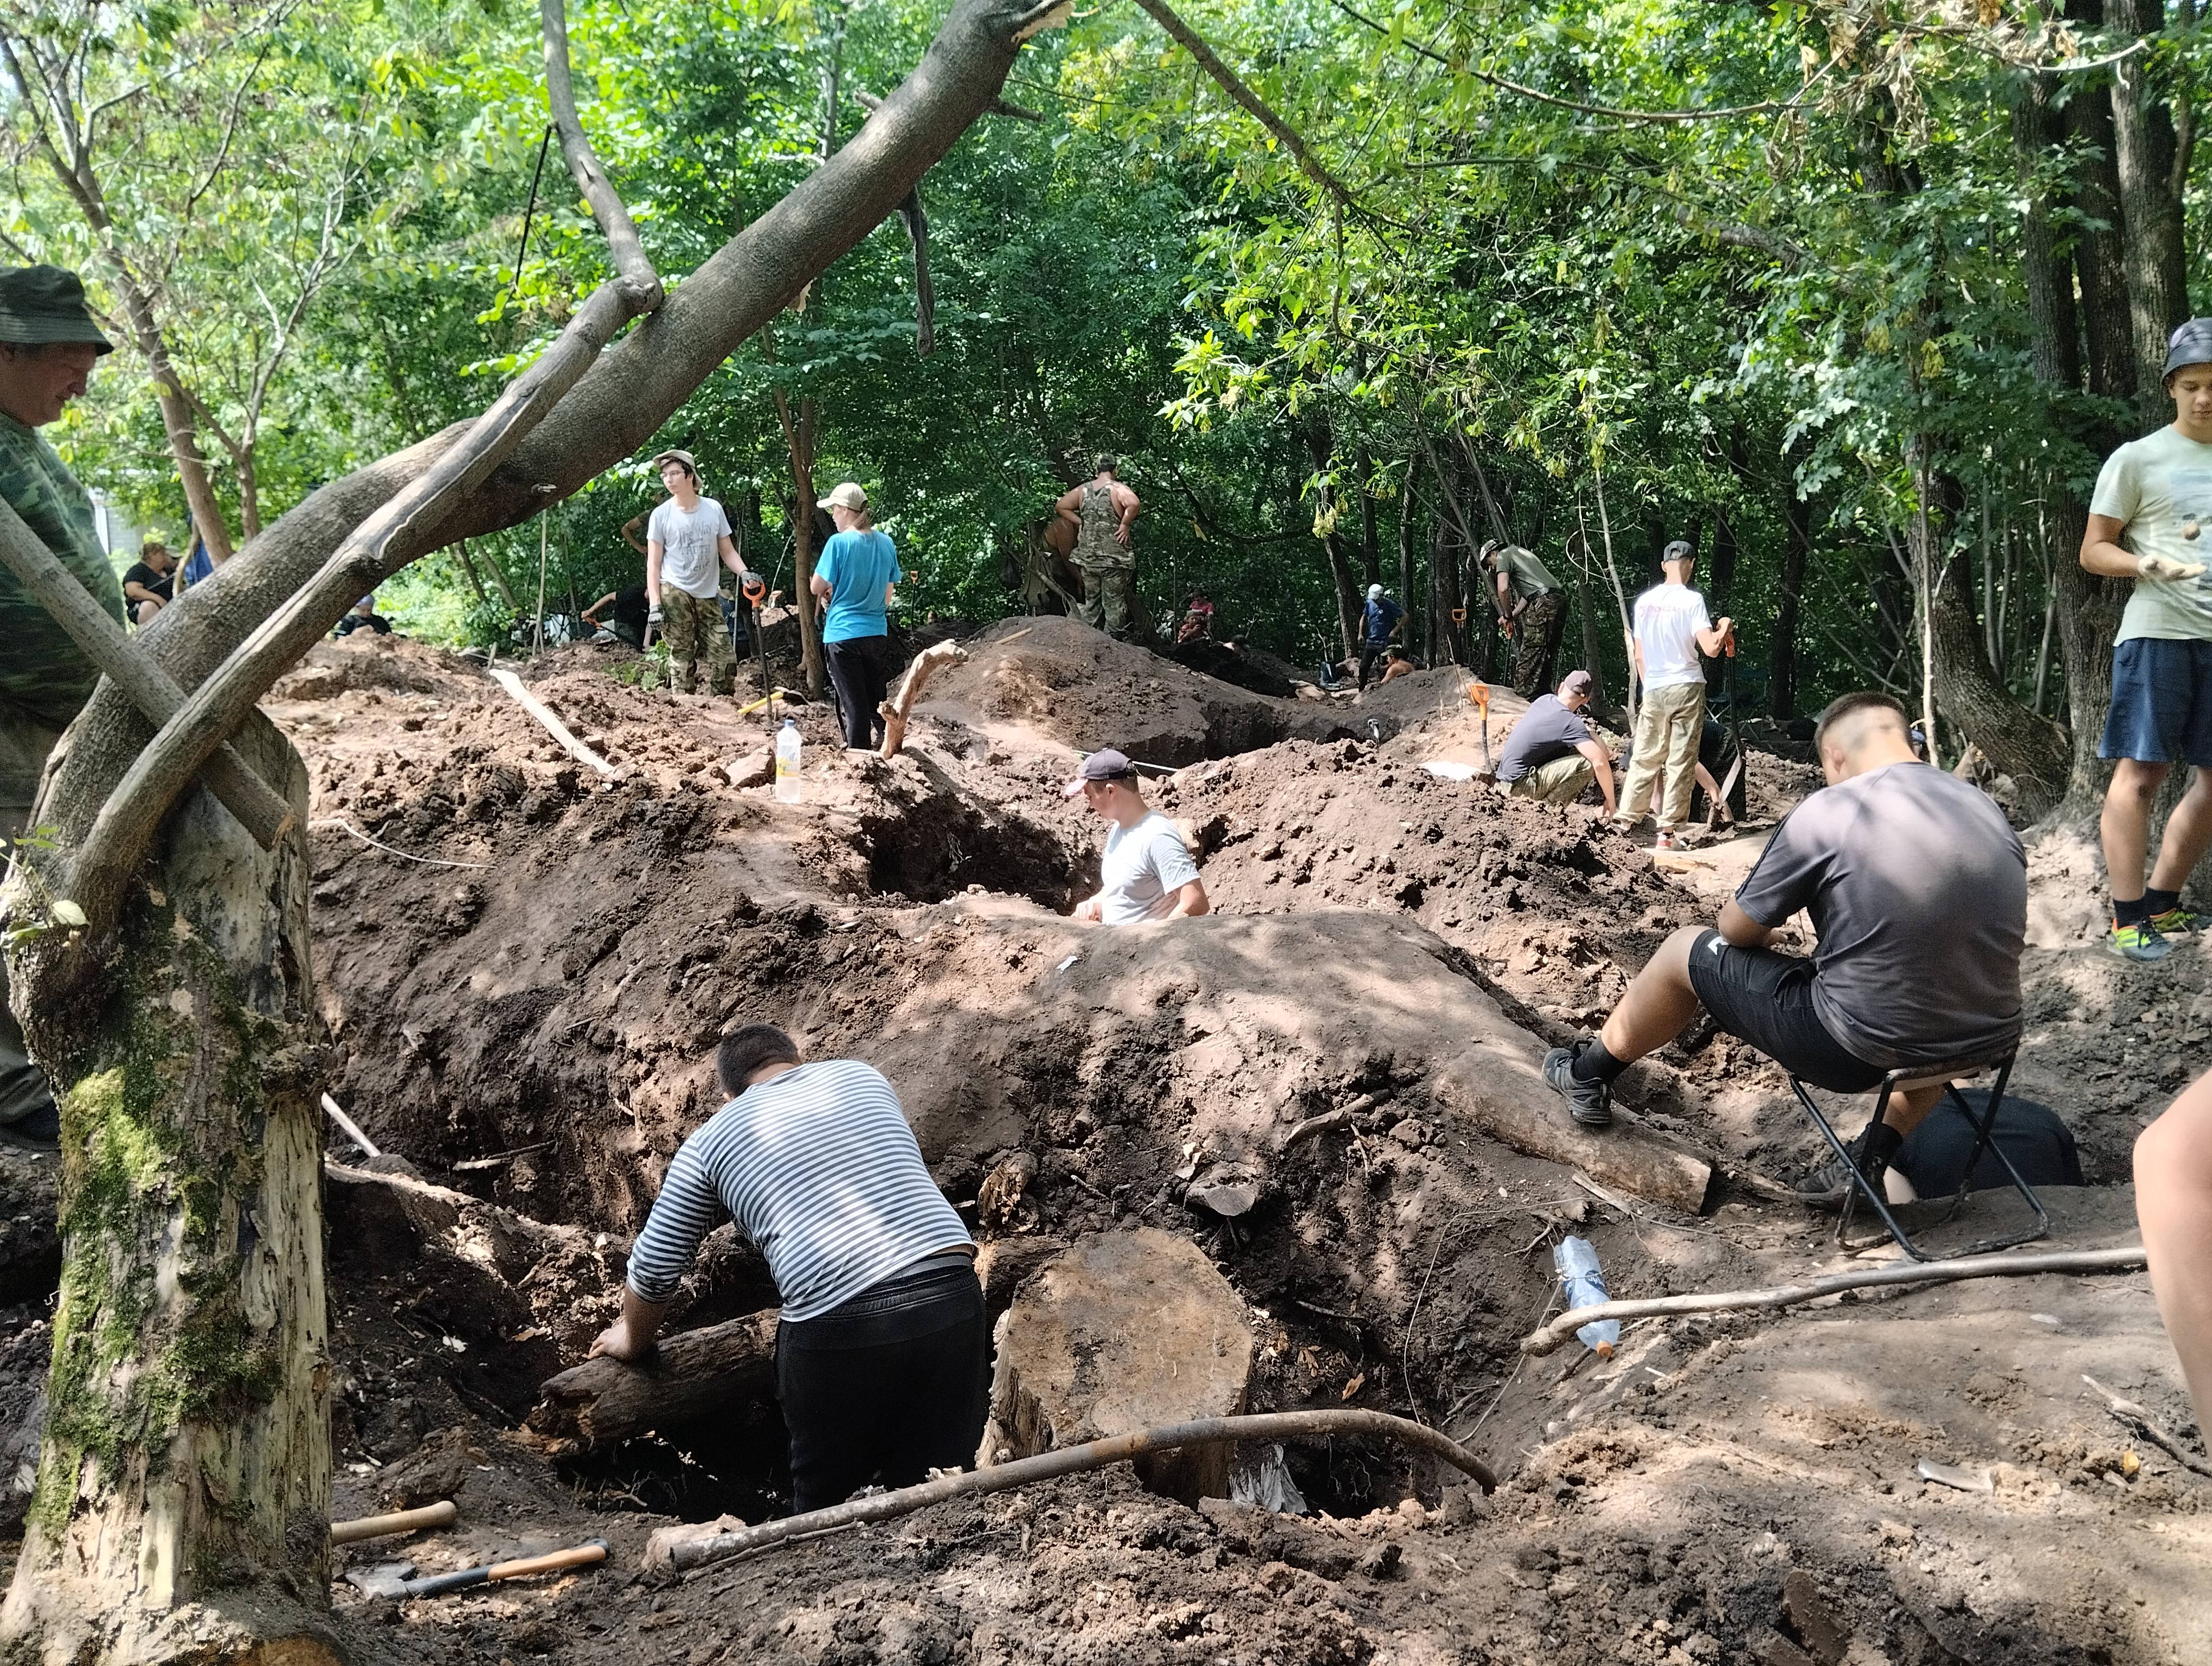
1853, 296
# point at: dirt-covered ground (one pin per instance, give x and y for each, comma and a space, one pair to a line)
525, 973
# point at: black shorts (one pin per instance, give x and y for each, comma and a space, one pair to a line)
1766, 999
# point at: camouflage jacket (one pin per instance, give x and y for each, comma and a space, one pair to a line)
43, 677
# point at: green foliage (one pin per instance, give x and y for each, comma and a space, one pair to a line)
1712, 315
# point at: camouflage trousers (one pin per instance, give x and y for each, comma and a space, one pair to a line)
1110, 596
24, 746
1536, 644
695, 630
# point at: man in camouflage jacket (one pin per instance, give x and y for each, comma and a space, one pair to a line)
48, 344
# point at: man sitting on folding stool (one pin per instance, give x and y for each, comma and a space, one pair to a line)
1917, 890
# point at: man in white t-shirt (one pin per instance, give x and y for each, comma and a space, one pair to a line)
683, 590
1146, 873
2147, 522
1672, 630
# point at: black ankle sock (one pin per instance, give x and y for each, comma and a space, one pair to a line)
1879, 1143
1594, 1064
2130, 914
2156, 902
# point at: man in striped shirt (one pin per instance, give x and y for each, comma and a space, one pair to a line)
882, 1354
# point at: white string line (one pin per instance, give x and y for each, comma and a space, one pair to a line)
427, 861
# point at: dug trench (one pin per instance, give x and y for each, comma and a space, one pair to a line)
524, 978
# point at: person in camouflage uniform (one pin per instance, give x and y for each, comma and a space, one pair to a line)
48, 344
1102, 512
1533, 609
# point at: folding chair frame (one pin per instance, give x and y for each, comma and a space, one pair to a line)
1860, 1186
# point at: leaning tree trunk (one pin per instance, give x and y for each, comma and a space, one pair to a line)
183, 1498
181, 1512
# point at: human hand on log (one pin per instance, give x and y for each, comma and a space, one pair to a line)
619, 1342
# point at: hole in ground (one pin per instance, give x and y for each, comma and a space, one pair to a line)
944, 844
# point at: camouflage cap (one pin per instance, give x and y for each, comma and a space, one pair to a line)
40, 306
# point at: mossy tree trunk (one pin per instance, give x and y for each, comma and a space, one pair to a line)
183, 1500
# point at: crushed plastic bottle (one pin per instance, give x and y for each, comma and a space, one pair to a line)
1585, 1287
786, 762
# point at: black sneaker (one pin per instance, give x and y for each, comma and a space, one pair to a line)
1829, 1186
1589, 1104
41, 1131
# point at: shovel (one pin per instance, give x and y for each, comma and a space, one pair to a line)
396, 1581
1479, 693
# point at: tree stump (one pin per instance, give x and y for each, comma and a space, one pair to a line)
1126, 1331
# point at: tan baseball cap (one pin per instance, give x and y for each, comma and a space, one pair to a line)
683, 457
847, 495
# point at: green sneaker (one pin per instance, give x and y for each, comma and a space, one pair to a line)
2137, 942
2179, 921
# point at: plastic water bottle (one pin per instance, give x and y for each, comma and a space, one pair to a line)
786, 765
1585, 1287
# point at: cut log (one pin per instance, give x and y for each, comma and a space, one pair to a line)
1126, 1331
1496, 1086
898, 710
692, 1374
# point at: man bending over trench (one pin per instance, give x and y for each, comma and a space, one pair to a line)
1918, 889
881, 1358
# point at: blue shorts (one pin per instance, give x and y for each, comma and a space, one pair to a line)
2161, 710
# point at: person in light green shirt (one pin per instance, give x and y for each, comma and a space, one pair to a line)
2150, 521
1532, 610
48, 345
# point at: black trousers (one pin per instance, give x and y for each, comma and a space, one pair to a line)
893, 1384
1369, 654
859, 669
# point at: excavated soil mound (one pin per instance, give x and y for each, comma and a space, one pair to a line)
1058, 678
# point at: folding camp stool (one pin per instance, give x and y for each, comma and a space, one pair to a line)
1906, 1080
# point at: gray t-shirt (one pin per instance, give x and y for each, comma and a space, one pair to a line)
1919, 889
1547, 730
688, 545
1144, 867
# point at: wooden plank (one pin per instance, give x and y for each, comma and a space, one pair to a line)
554, 726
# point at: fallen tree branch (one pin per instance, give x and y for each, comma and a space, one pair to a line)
260, 809
2139, 1418
680, 1548
1233, 84
127, 821
2122, 1260
584, 166
898, 710
553, 725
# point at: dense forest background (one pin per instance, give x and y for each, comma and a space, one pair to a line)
1853, 295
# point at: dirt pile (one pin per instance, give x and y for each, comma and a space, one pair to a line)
1057, 679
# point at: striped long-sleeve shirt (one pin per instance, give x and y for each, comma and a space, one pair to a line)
818, 1167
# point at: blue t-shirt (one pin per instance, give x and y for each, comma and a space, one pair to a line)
1382, 614
857, 567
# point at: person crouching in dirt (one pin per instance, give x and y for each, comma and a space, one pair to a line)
882, 1352
1552, 755
1146, 873
1398, 664
1918, 891
2174, 1206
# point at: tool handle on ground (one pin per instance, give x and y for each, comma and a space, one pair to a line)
582, 1555
440, 1514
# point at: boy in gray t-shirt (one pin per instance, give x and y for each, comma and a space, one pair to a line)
2147, 522
1918, 889
1147, 872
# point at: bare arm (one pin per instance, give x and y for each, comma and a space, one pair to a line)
731, 558
652, 573
1711, 640
630, 1336
1741, 929
591, 613
1131, 508
632, 531
1601, 763
1067, 505
1505, 597
136, 591
1191, 901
